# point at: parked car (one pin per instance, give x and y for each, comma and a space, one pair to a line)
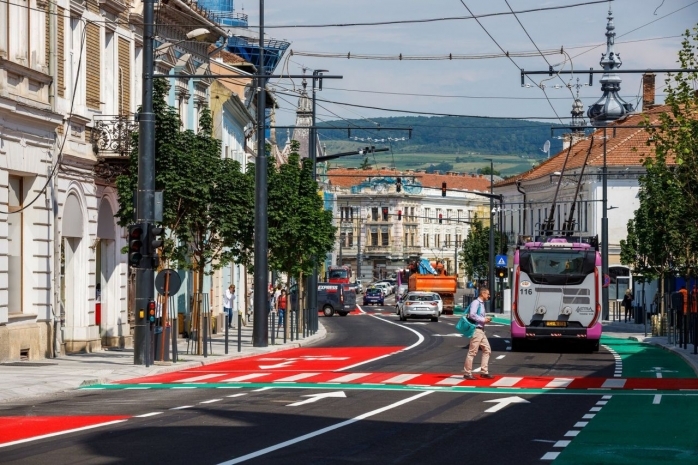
374, 296
419, 305
359, 286
384, 287
401, 290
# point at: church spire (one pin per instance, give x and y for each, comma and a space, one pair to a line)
610, 106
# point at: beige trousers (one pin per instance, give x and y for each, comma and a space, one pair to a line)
478, 340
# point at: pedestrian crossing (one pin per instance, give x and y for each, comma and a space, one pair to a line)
330, 377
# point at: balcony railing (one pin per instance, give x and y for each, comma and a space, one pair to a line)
112, 142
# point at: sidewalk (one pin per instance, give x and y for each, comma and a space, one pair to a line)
21, 380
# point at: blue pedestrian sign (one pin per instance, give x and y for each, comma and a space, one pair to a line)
500, 260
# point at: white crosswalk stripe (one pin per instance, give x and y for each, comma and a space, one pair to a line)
451, 380
559, 383
290, 379
199, 378
349, 377
506, 381
399, 379
244, 378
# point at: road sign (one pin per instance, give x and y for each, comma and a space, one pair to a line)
500, 260
175, 281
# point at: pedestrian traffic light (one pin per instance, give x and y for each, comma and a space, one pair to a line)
399, 215
501, 272
443, 189
398, 184
136, 235
441, 218
151, 311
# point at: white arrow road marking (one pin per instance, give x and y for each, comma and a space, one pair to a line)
503, 402
316, 397
319, 432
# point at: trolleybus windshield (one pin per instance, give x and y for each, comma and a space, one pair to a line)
557, 266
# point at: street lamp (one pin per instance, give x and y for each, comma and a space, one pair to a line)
490, 267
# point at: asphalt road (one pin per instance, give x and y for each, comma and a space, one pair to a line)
259, 423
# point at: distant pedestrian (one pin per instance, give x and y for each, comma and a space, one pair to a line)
628, 304
281, 304
229, 303
478, 316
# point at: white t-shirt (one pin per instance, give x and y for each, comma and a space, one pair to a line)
228, 299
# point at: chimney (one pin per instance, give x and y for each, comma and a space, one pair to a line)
647, 91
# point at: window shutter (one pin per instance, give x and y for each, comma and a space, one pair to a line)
124, 77
93, 67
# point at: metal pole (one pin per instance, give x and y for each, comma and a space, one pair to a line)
604, 231
239, 331
358, 247
490, 267
261, 268
227, 322
341, 244
145, 198
313, 279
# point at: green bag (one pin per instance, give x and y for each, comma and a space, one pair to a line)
465, 326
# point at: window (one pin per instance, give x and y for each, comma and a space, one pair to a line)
426, 240
374, 213
385, 236
342, 239
385, 213
460, 215
437, 240
406, 238
351, 238
427, 214
448, 215
448, 240
412, 239
374, 237
93, 63
412, 213
15, 245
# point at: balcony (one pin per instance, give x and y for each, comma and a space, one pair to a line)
112, 142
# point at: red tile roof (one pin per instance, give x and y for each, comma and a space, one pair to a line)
348, 177
624, 147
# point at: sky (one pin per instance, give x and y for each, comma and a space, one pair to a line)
496, 83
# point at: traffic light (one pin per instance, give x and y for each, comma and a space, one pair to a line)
399, 215
501, 272
398, 184
441, 218
443, 189
157, 240
136, 236
151, 311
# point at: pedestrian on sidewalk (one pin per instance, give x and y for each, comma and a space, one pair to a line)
281, 303
628, 304
478, 316
229, 303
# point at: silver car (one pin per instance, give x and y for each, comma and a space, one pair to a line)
441, 303
419, 304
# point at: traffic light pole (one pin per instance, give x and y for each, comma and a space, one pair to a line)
490, 267
145, 198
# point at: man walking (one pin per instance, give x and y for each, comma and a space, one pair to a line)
228, 303
478, 316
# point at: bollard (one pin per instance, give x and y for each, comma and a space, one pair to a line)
297, 333
273, 327
205, 336
147, 345
239, 331
291, 321
175, 331
284, 322
226, 332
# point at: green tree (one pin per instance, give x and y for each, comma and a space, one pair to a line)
365, 165
300, 229
487, 170
204, 197
475, 252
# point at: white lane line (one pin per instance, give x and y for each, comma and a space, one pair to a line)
506, 381
581, 424
614, 383
550, 456
263, 389
602, 402
659, 375
562, 443
210, 401
244, 378
606, 397
501, 357
588, 416
360, 309
199, 378
420, 339
137, 388
657, 399
595, 409
182, 407
146, 415
238, 395
183, 387
68, 431
294, 378
571, 433
496, 335
559, 383
349, 377
399, 379
451, 380
290, 442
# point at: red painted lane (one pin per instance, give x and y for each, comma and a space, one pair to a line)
19, 428
294, 360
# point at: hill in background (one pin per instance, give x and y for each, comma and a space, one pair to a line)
443, 143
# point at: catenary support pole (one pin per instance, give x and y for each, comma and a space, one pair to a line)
145, 197
490, 267
261, 269
604, 230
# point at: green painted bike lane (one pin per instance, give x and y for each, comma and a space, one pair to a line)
641, 429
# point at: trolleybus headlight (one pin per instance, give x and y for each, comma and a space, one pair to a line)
541, 310
566, 311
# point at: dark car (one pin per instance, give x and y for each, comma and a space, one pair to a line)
373, 296
335, 298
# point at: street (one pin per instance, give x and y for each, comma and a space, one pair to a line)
377, 391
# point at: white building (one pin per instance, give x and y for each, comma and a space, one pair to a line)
389, 228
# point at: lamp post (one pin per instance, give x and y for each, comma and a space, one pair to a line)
261, 265
604, 232
312, 279
490, 267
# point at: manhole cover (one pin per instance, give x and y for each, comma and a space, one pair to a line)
27, 364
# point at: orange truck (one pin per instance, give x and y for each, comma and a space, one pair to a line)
441, 283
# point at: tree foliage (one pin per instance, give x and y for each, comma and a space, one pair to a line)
475, 253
